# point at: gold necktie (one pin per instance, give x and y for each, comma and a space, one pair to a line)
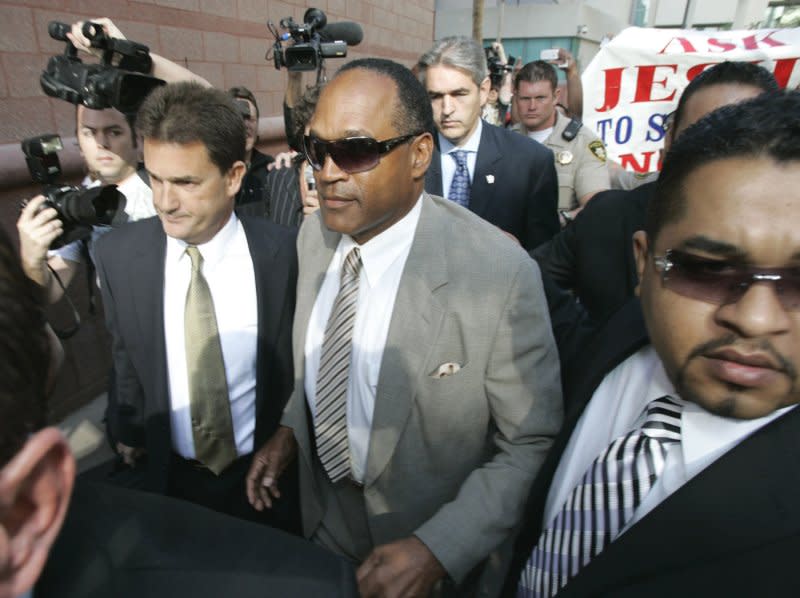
212, 425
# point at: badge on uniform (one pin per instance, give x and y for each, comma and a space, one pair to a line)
564, 157
598, 150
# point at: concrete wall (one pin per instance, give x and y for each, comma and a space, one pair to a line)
223, 40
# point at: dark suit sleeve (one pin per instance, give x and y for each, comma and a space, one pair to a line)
557, 257
542, 221
125, 413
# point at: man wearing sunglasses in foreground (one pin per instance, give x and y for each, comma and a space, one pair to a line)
427, 382
703, 410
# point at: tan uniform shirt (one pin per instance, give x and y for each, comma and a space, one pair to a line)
580, 163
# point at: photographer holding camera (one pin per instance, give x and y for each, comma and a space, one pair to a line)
109, 148
496, 108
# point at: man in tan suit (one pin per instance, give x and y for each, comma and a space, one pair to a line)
433, 326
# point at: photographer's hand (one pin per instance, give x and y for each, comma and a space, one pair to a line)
129, 454
163, 68
37, 228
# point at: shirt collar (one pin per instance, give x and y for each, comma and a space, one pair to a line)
470, 145
380, 252
212, 251
703, 434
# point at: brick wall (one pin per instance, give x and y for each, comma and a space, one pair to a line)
223, 40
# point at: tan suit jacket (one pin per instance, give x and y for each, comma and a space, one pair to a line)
450, 459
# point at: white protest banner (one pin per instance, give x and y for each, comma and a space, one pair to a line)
635, 80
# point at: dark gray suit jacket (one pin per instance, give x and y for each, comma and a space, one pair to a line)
514, 186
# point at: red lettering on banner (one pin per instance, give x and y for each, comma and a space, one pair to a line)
645, 81
697, 69
724, 46
686, 45
613, 84
751, 43
629, 161
783, 70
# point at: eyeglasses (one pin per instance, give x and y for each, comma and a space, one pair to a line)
723, 282
351, 154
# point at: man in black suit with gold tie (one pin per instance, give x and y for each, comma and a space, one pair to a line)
199, 303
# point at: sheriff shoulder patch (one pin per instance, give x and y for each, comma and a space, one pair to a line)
598, 150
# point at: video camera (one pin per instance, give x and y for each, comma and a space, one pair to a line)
78, 209
119, 81
314, 40
497, 69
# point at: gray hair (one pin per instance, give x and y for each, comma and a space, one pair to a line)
460, 52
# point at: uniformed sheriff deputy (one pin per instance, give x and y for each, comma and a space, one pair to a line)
579, 155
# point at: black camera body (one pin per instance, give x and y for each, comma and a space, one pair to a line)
497, 68
119, 81
310, 48
78, 209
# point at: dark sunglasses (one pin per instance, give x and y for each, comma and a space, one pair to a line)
723, 282
351, 154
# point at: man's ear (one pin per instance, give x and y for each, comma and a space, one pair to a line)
235, 175
35, 487
640, 248
421, 154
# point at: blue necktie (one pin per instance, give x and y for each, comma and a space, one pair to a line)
459, 188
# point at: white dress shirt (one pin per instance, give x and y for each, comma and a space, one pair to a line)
541, 136
449, 162
616, 408
383, 258
228, 269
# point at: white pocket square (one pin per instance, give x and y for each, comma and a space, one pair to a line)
446, 369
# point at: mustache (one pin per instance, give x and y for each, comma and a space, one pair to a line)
731, 340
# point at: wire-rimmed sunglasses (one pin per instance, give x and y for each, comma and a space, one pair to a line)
724, 282
351, 154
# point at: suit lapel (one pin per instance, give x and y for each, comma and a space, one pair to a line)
314, 258
746, 499
483, 180
415, 325
147, 290
433, 176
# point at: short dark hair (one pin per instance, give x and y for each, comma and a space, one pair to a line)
413, 112
24, 354
187, 112
538, 70
748, 129
242, 93
726, 73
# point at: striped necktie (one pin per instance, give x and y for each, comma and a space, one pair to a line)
330, 421
603, 502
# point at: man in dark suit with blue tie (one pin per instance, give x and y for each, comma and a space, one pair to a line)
506, 179
676, 470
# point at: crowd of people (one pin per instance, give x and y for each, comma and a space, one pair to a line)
453, 362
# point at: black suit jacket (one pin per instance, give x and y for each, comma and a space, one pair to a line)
514, 186
130, 263
130, 544
733, 530
593, 256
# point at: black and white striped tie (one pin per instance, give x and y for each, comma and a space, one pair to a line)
603, 502
330, 422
